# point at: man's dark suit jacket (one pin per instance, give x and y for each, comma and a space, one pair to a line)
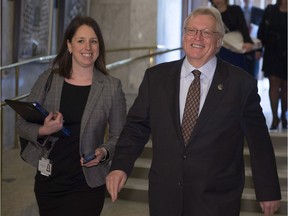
256, 15
205, 178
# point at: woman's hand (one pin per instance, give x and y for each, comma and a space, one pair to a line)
52, 124
247, 47
100, 154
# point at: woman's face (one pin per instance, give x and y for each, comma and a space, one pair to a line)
84, 47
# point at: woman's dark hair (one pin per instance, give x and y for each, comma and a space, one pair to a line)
63, 60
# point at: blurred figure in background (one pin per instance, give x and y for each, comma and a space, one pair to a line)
234, 20
273, 34
253, 16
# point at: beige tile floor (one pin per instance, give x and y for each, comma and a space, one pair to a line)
17, 197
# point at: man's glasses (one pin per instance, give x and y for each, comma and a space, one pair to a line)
205, 33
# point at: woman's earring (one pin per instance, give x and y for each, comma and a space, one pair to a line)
70, 52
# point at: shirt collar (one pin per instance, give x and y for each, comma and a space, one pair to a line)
207, 70
247, 8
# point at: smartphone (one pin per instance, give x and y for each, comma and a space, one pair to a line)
88, 158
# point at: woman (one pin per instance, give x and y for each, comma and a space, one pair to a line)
85, 99
273, 34
234, 20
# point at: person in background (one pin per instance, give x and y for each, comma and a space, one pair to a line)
201, 172
84, 99
273, 34
253, 16
234, 20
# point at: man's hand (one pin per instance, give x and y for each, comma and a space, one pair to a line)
115, 182
270, 207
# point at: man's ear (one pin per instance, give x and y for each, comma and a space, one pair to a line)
219, 43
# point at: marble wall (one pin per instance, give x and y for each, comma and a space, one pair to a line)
127, 23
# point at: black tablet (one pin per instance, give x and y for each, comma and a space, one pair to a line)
32, 112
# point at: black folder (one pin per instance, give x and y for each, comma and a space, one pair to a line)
32, 112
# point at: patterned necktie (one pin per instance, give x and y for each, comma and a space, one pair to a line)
191, 109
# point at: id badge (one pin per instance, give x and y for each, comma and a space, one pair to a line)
45, 167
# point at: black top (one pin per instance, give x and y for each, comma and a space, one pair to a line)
273, 34
67, 174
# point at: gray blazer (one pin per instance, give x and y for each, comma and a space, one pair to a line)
106, 105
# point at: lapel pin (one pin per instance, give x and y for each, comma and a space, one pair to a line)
220, 87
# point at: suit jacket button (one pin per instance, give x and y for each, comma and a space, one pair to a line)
184, 157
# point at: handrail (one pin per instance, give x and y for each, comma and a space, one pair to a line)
129, 60
109, 66
3, 103
42, 58
50, 57
136, 48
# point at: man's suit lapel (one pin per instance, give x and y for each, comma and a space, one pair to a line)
95, 92
172, 91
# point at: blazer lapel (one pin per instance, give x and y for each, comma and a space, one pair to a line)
94, 94
59, 81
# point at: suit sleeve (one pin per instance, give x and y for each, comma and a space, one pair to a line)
263, 30
262, 156
242, 25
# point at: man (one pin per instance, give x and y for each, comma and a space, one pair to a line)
203, 176
253, 16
